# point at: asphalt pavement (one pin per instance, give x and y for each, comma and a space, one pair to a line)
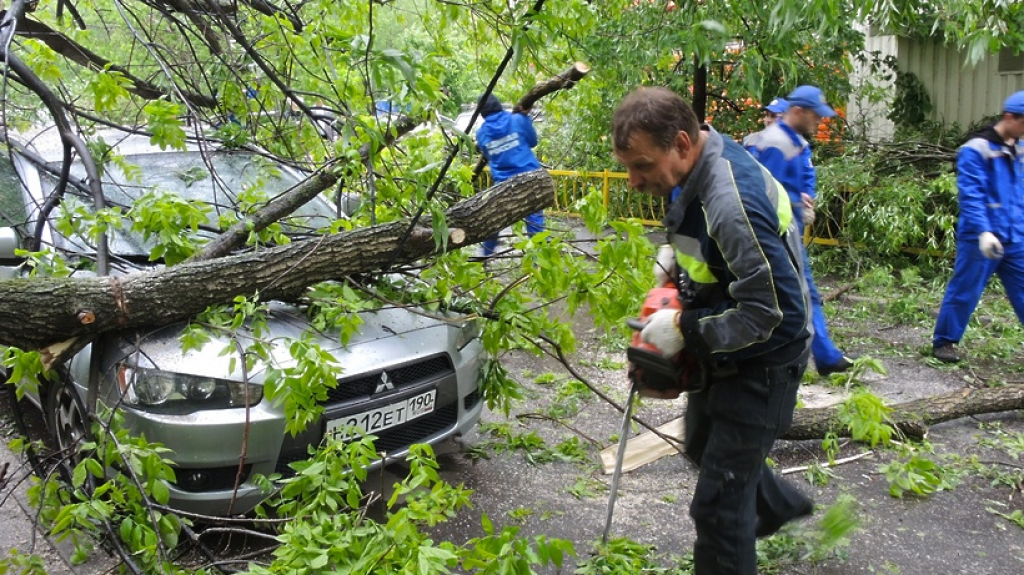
18, 527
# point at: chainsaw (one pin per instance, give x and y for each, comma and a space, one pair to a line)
651, 374
650, 371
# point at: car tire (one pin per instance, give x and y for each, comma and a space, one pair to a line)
67, 420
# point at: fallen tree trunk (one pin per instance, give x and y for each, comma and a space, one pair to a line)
39, 312
913, 417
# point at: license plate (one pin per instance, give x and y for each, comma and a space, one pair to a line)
383, 417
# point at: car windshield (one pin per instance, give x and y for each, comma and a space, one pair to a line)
228, 183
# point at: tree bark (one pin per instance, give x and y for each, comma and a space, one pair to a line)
563, 81
913, 417
39, 312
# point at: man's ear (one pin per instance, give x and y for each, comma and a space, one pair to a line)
683, 143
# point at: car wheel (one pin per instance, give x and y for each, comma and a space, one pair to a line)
69, 428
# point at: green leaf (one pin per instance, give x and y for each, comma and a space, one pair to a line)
163, 119
161, 494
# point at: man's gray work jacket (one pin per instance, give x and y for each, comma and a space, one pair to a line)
736, 239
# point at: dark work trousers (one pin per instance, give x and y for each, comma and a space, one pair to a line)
730, 428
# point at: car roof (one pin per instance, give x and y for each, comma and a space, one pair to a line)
46, 142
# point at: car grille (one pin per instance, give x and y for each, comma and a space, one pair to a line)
363, 386
210, 479
471, 400
434, 372
393, 439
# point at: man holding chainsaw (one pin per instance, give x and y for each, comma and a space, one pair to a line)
738, 244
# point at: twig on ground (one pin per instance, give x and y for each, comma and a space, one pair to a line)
835, 463
837, 292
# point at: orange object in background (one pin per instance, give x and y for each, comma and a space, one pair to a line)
825, 129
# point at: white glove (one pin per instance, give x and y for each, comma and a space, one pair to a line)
989, 245
662, 331
808, 209
665, 266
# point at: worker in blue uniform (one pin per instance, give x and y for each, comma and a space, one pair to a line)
990, 231
782, 149
770, 113
507, 140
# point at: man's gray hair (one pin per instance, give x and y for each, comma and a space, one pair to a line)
659, 112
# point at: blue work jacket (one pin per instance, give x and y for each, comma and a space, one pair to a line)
787, 155
505, 140
990, 179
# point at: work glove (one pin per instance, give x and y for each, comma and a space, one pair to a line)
665, 270
990, 246
808, 209
662, 331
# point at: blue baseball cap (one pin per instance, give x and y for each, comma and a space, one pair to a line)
811, 98
1015, 103
777, 106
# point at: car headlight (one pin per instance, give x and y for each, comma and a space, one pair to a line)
469, 330
179, 393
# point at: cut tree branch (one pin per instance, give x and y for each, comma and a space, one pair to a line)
563, 81
913, 417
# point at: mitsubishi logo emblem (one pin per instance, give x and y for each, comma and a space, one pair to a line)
385, 383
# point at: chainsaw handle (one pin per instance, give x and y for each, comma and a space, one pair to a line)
635, 324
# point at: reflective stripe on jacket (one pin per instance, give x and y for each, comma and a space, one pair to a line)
787, 155
990, 179
735, 237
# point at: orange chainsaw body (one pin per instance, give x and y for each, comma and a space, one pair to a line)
655, 375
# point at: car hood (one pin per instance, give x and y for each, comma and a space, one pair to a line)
386, 337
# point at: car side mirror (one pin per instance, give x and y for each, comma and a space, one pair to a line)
8, 243
8, 261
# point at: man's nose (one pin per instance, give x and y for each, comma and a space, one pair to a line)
635, 180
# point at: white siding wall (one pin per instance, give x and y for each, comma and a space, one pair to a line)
867, 117
959, 93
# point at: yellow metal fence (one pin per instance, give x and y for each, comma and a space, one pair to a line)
622, 202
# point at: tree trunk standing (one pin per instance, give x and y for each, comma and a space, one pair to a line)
39, 312
700, 90
913, 417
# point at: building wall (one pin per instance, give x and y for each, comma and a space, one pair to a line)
871, 98
960, 93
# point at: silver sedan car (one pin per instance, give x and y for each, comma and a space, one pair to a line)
405, 376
